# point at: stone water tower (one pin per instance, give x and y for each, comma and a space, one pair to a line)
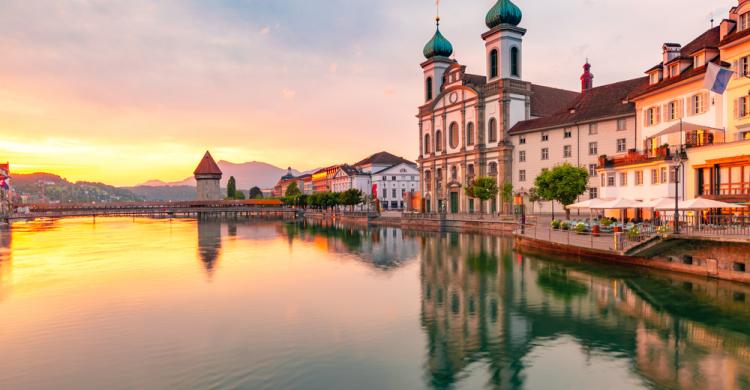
208, 178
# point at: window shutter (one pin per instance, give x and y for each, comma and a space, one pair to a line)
736, 69
645, 118
658, 115
736, 108
704, 102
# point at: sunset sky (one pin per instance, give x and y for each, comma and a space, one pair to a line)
126, 91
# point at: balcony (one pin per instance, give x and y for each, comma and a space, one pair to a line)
633, 157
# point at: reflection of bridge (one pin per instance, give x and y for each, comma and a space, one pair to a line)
247, 208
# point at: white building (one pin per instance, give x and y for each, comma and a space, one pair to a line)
348, 177
599, 122
392, 177
464, 123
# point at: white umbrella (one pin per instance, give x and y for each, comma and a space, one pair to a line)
620, 203
588, 204
659, 203
702, 204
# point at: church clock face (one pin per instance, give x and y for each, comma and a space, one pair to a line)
453, 97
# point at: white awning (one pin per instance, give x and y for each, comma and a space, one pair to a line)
684, 127
588, 204
703, 204
620, 203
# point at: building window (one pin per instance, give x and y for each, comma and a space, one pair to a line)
567, 151
394, 178
664, 177
493, 168
428, 88
673, 175
653, 78
654, 177
453, 135
438, 141
652, 116
593, 193
592, 170
393, 193
493, 64
470, 134
673, 110
623, 179
603, 180
514, 63
522, 140
522, 175
744, 21
743, 66
742, 107
385, 193
697, 104
492, 130
426, 143
593, 129
593, 148
454, 173
611, 180
639, 178
522, 156
568, 133
622, 124
545, 137
622, 145
545, 154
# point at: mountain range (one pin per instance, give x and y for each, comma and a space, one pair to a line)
247, 175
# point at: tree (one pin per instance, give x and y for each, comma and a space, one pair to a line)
239, 195
231, 188
563, 183
507, 193
255, 193
293, 190
534, 197
351, 198
482, 188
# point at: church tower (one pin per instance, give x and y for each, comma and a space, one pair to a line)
587, 78
437, 52
504, 41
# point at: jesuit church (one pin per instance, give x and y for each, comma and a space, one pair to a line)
464, 122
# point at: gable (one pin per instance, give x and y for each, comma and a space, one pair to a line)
453, 96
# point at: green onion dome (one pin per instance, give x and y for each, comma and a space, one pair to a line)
503, 12
438, 46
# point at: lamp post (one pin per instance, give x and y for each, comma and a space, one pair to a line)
676, 163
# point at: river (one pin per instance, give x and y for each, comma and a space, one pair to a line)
182, 304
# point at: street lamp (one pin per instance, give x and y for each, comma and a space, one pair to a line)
676, 163
518, 201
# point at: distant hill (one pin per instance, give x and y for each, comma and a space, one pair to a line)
247, 175
53, 188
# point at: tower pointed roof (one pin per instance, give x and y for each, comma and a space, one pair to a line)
207, 166
503, 12
438, 46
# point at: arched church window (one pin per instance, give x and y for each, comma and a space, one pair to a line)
514, 65
470, 134
428, 88
454, 173
493, 63
438, 141
492, 131
426, 143
493, 168
453, 135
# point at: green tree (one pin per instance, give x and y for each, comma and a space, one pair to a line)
239, 195
563, 183
483, 188
255, 193
351, 198
507, 193
231, 188
293, 190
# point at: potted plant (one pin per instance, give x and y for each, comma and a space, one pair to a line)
581, 228
662, 230
595, 230
565, 225
634, 233
606, 222
555, 224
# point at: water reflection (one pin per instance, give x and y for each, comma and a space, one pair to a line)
480, 304
209, 244
6, 263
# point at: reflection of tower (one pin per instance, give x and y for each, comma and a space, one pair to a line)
209, 244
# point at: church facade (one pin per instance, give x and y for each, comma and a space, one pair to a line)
465, 118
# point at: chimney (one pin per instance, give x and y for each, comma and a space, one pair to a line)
671, 51
587, 79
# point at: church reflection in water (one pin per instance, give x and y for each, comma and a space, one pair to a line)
483, 304
209, 244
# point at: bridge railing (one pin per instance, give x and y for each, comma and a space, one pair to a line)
61, 207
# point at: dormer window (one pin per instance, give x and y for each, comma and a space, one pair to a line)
699, 60
744, 21
674, 70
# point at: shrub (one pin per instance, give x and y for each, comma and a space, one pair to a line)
555, 224
565, 225
606, 222
581, 227
633, 233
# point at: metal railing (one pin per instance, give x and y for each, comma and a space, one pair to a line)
711, 225
613, 241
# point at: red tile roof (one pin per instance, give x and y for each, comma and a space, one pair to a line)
546, 101
207, 166
599, 102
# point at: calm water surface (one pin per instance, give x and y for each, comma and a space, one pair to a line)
159, 304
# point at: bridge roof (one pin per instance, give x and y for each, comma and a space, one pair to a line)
207, 166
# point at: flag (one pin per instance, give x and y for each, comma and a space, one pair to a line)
717, 78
